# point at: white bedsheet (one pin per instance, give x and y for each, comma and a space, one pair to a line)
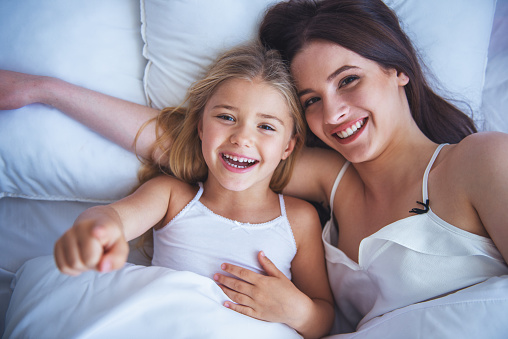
134, 302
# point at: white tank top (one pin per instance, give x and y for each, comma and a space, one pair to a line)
198, 240
414, 259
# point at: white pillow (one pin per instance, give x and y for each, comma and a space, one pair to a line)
452, 38
95, 44
183, 37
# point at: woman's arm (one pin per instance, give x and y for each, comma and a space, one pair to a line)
314, 174
306, 302
486, 184
116, 119
98, 238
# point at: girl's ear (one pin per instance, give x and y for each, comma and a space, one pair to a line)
200, 129
290, 147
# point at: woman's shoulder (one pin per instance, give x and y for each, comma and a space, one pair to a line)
482, 146
479, 155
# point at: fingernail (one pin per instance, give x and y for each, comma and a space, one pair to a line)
226, 304
216, 277
106, 266
262, 254
223, 266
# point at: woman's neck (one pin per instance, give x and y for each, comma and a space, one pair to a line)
400, 165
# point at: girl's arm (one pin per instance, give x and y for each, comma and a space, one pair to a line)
98, 238
306, 302
116, 119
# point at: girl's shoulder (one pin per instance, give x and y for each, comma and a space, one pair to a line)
178, 192
302, 216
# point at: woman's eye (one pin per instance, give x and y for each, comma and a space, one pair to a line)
310, 101
347, 80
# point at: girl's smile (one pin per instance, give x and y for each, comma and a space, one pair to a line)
238, 164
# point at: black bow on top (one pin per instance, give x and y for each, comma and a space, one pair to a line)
419, 210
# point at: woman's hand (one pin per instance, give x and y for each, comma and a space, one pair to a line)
18, 89
95, 241
272, 297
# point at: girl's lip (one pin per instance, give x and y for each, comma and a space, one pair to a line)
346, 133
237, 163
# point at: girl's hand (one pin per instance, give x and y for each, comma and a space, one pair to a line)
271, 297
18, 89
95, 241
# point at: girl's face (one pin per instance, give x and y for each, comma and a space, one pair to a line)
350, 102
246, 130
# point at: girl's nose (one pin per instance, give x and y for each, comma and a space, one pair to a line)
242, 136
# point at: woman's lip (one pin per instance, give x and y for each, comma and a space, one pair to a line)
345, 126
350, 138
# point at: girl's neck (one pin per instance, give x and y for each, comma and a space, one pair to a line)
254, 205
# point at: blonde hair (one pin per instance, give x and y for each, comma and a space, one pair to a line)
178, 127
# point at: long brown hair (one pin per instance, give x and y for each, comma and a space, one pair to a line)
370, 29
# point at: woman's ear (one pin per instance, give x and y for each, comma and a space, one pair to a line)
290, 147
402, 78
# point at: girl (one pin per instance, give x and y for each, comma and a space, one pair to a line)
230, 153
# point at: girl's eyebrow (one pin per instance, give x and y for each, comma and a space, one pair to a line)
330, 78
261, 115
272, 117
231, 108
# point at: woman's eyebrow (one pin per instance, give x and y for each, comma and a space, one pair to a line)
330, 78
339, 71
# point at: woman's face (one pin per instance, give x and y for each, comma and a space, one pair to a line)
350, 102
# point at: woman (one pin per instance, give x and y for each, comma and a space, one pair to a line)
409, 212
412, 215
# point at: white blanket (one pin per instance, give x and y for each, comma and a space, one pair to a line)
477, 312
134, 302
153, 302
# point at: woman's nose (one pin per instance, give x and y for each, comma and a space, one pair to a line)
334, 110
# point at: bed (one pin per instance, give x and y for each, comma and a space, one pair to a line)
149, 51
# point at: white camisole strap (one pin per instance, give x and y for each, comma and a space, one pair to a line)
336, 184
425, 191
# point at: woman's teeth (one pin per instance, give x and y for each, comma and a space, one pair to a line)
350, 130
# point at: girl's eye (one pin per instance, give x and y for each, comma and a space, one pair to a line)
226, 117
310, 101
347, 80
267, 127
